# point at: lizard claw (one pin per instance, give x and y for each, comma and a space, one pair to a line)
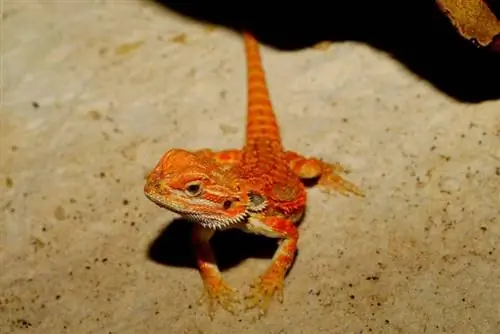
219, 293
263, 290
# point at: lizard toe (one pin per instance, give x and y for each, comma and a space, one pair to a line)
262, 291
220, 294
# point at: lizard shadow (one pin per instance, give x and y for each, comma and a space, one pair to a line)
415, 33
172, 247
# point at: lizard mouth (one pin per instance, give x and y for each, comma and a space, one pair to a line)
208, 220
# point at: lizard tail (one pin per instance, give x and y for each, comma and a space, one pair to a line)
261, 121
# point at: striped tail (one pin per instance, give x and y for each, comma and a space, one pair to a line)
261, 121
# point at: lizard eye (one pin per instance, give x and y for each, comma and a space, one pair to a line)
193, 189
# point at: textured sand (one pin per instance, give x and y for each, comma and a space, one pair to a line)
94, 93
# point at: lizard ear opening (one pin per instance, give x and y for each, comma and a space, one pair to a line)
257, 202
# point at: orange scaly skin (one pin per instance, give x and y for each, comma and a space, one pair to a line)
257, 189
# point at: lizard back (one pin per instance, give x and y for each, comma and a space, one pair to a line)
263, 165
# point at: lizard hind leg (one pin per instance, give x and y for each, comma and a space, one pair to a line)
327, 174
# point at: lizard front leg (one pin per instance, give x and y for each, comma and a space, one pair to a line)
216, 290
327, 173
271, 282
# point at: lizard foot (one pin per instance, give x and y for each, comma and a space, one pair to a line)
219, 293
263, 290
331, 181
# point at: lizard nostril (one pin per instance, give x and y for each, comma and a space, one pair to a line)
227, 204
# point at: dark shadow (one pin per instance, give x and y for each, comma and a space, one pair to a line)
310, 183
414, 32
173, 246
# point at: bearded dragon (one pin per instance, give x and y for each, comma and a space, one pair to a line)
257, 189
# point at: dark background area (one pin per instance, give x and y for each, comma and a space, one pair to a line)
414, 32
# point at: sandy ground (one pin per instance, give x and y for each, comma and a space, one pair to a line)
95, 92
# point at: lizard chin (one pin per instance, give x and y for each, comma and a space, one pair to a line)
213, 222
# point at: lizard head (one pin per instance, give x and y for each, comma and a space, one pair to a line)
193, 186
